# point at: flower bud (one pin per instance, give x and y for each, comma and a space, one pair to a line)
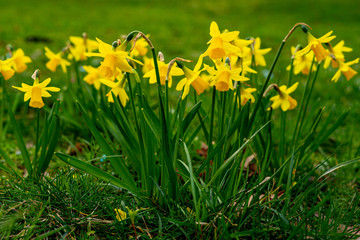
304, 28
115, 44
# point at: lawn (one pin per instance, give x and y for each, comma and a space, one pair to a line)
157, 164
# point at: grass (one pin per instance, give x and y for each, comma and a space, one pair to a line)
68, 203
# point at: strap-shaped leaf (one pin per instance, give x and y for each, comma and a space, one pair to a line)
190, 116
119, 166
90, 169
21, 143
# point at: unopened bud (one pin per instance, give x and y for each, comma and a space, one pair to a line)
179, 64
36, 74
304, 28
161, 57
115, 44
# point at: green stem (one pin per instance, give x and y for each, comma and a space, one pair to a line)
253, 115
207, 173
300, 111
167, 154
2, 109
308, 97
37, 134
282, 145
144, 178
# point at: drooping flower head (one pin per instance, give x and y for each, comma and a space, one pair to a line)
223, 76
346, 70
55, 60
315, 44
37, 91
336, 53
220, 45
284, 99
193, 78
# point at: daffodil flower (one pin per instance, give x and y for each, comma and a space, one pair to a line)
244, 49
315, 44
36, 92
55, 60
114, 57
18, 61
245, 95
259, 53
118, 88
223, 76
163, 68
93, 77
81, 45
140, 48
120, 214
6, 70
193, 78
284, 99
148, 64
346, 70
337, 52
302, 63
220, 45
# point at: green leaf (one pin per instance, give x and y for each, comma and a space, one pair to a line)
21, 143
86, 167
190, 116
118, 165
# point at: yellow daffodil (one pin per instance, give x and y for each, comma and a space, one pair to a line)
245, 95
315, 44
163, 68
244, 48
337, 52
18, 61
148, 64
223, 76
118, 88
6, 70
120, 214
55, 60
302, 63
140, 48
93, 76
81, 45
193, 78
114, 57
346, 70
259, 53
220, 45
37, 91
243, 63
283, 99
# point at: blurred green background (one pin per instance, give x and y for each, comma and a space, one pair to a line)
181, 28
